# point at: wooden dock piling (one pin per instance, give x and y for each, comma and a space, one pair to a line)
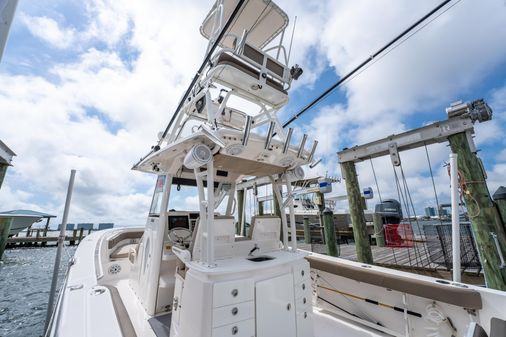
378, 230
330, 233
5, 227
307, 231
485, 219
81, 231
363, 247
500, 201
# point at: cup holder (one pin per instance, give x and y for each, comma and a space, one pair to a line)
261, 258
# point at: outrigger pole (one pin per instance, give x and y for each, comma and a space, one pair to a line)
364, 63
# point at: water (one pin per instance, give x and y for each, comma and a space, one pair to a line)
25, 279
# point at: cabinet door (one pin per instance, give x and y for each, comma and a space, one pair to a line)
275, 307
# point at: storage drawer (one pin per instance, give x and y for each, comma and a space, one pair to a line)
239, 329
301, 272
233, 313
226, 293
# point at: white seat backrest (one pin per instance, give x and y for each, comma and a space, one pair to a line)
224, 230
224, 238
265, 227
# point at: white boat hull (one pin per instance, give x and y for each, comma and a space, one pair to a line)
98, 298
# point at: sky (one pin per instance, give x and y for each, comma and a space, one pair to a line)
88, 85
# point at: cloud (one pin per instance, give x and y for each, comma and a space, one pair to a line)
48, 30
98, 114
101, 110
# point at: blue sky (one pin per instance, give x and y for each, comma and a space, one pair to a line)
88, 85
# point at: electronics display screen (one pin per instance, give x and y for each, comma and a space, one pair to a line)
179, 221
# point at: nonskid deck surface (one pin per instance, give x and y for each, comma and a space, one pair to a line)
161, 325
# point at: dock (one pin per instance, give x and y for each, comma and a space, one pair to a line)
41, 237
403, 259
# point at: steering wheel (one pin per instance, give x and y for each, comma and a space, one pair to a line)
180, 235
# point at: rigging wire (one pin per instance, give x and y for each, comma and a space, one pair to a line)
404, 204
381, 231
375, 180
433, 183
416, 218
369, 59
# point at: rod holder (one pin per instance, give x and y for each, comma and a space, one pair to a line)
301, 147
313, 165
313, 150
269, 135
247, 130
287, 140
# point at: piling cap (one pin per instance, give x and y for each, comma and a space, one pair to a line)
327, 211
500, 194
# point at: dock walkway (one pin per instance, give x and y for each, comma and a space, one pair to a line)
36, 237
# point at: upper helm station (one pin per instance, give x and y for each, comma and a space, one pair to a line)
232, 107
227, 125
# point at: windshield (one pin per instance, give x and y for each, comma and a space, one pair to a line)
156, 203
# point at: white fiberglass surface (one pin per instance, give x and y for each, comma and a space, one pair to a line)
327, 325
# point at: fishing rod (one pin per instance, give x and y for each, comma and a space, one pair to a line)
364, 63
370, 301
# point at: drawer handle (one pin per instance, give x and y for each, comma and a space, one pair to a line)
288, 306
302, 272
303, 286
304, 300
235, 292
235, 311
235, 330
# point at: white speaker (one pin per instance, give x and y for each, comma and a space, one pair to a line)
198, 156
296, 173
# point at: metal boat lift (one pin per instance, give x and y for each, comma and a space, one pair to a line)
458, 130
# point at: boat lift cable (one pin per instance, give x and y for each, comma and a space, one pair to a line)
433, 184
402, 199
407, 205
365, 62
202, 66
375, 180
408, 194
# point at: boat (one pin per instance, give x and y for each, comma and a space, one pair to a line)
196, 274
22, 219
